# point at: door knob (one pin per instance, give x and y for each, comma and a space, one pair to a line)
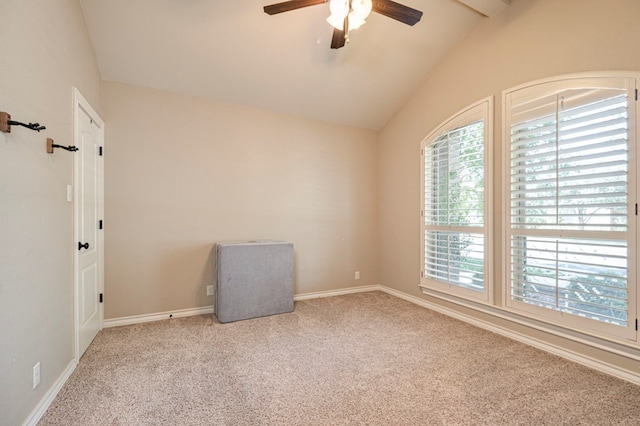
81, 246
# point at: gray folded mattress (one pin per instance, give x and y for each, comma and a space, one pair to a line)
253, 279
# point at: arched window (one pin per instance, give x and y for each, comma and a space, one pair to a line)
455, 196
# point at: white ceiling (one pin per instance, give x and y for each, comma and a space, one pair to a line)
231, 51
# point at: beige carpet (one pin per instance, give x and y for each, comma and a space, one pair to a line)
367, 358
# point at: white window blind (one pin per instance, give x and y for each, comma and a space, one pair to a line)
454, 177
587, 278
453, 213
569, 201
569, 167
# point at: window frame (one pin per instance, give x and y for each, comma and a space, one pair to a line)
482, 109
569, 321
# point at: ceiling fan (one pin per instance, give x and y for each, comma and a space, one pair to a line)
347, 15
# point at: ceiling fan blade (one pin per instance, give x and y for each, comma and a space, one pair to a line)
337, 40
286, 6
397, 11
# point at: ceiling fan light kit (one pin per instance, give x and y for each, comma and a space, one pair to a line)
350, 13
347, 15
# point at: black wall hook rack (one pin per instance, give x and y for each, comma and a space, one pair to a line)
33, 126
6, 122
51, 146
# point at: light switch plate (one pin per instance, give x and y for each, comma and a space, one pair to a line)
36, 375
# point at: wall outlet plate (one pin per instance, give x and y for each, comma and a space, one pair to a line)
209, 290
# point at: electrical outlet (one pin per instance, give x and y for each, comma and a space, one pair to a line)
36, 375
209, 290
357, 275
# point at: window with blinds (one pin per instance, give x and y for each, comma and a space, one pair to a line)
454, 200
569, 235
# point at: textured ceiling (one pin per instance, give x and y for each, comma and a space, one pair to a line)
231, 51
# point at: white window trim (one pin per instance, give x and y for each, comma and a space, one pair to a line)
554, 318
456, 120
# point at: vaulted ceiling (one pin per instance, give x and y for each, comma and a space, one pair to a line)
231, 51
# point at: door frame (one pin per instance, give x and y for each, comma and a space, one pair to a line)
80, 104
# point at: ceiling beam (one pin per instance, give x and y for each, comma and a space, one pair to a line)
487, 7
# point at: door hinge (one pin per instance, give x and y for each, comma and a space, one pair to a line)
636, 94
100, 297
636, 209
100, 151
636, 324
100, 224
422, 274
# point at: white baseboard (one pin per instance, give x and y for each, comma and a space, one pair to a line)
341, 292
48, 398
592, 363
158, 316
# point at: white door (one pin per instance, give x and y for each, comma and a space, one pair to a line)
88, 224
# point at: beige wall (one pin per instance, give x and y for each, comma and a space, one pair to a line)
530, 40
182, 173
45, 52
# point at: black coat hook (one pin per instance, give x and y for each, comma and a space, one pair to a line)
6, 122
51, 146
33, 126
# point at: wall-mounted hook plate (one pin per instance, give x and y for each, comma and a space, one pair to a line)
5, 117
